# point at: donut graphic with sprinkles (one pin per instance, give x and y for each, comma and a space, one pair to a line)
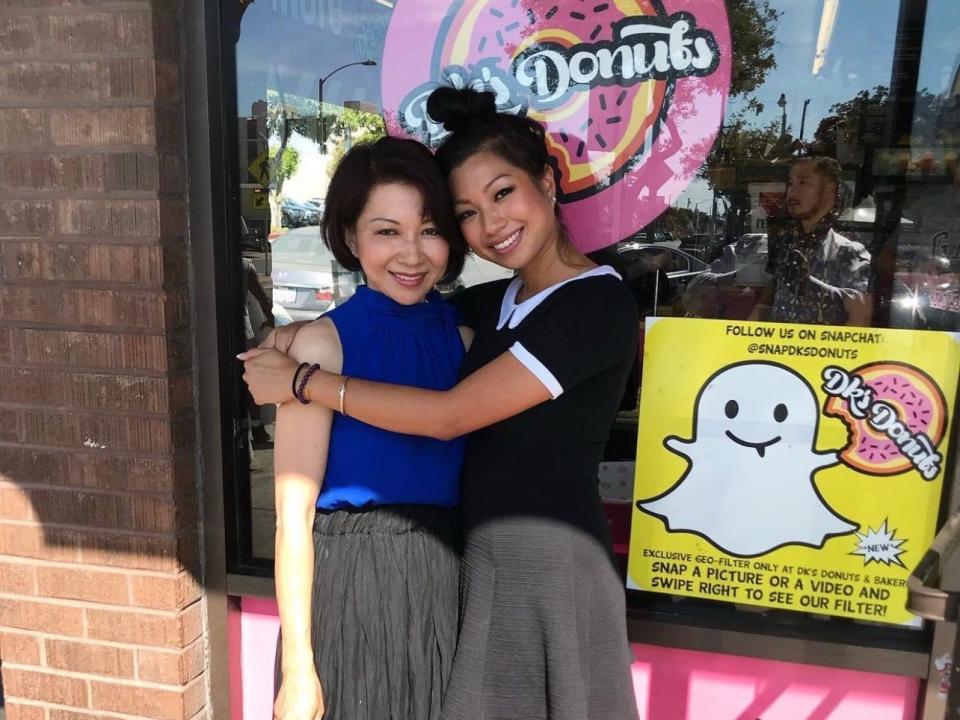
902, 425
631, 91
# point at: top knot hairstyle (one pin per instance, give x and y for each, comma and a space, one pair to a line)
389, 160
475, 125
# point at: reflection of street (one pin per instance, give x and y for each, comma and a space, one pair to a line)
263, 517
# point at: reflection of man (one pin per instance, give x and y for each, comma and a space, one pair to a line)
819, 276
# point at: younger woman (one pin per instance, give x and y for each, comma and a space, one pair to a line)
543, 621
367, 537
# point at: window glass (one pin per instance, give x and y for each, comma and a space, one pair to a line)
806, 173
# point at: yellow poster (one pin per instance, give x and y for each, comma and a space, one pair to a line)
790, 466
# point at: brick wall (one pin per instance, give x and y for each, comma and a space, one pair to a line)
100, 602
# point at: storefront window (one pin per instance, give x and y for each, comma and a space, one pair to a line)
750, 160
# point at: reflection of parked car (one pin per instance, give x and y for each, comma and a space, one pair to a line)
681, 267
311, 216
303, 275
292, 215
703, 246
316, 205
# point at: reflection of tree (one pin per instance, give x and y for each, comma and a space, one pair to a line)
352, 126
282, 121
285, 167
734, 161
753, 29
868, 111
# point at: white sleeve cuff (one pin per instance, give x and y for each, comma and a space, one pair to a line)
537, 368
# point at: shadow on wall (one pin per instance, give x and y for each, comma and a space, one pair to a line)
113, 516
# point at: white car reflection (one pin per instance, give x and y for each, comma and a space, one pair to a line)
306, 280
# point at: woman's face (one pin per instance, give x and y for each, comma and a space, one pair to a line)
401, 252
505, 214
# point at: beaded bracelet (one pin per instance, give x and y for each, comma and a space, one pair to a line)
296, 374
303, 384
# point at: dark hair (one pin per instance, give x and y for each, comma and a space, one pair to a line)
389, 160
824, 165
475, 125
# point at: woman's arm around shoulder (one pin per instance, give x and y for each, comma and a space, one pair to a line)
587, 330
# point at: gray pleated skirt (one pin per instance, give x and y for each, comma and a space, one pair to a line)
385, 610
543, 626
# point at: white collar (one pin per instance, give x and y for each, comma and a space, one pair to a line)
513, 312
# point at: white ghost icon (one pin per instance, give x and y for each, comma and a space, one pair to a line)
749, 487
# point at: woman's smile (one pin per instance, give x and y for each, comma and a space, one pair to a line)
509, 243
410, 280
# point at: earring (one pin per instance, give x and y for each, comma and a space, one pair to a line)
553, 199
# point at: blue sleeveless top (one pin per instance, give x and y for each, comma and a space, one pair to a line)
417, 345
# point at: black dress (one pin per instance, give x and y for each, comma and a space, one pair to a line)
543, 619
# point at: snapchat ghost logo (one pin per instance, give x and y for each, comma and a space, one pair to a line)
749, 487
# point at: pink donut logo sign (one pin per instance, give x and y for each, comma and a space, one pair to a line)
631, 92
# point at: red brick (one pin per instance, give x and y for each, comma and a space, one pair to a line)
23, 171
38, 386
19, 711
98, 432
22, 128
171, 668
49, 687
135, 78
136, 264
103, 126
6, 351
141, 309
166, 631
35, 541
55, 713
19, 35
19, 260
138, 552
96, 470
20, 648
164, 593
82, 657
10, 425
82, 584
34, 80
166, 35
169, 128
15, 503
133, 171
16, 578
119, 218
144, 513
93, 350
98, 32
129, 473
144, 702
171, 173
42, 617
28, 465
26, 217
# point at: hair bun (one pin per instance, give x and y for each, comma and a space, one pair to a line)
456, 109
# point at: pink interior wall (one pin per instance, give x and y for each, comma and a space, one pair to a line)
670, 684
684, 685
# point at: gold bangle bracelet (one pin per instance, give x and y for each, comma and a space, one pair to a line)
342, 391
